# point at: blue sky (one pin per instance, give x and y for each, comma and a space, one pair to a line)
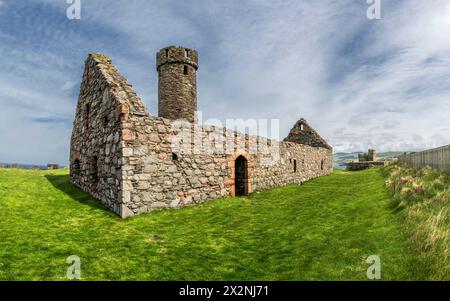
361, 83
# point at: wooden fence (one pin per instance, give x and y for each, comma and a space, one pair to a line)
438, 158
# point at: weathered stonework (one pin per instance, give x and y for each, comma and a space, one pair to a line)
127, 159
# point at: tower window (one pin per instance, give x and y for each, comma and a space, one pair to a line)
167, 52
321, 164
302, 127
295, 166
186, 53
185, 70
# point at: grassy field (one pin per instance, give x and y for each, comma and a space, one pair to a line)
323, 230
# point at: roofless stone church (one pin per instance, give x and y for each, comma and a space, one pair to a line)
135, 162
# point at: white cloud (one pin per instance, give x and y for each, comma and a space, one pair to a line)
409, 89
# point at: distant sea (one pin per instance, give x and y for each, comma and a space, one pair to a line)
25, 166
339, 166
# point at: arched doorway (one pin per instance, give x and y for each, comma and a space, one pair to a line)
241, 175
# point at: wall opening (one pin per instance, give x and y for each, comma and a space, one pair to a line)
185, 71
241, 176
167, 52
76, 167
94, 169
186, 53
302, 127
174, 157
105, 121
295, 166
321, 165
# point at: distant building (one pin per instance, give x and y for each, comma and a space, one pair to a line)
52, 166
370, 156
366, 160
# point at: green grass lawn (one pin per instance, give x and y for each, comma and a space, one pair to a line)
323, 230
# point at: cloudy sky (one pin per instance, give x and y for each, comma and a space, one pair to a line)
361, 83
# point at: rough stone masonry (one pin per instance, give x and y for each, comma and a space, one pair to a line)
134, 162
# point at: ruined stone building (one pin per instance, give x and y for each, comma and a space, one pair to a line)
135, 162
370, 156
365, 161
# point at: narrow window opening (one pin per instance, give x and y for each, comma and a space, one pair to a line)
321, 164
105, 121
94, 171
167, 52
295, 166
302, 127
76, 167
174, 157
185, 70
186, 53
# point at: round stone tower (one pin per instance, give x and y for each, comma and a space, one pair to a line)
177, 83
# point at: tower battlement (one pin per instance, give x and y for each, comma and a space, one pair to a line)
176, 55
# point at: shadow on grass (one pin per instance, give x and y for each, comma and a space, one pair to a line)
62, 183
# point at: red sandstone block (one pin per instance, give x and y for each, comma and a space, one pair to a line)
128, 135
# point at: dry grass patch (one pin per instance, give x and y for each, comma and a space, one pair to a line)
424, 196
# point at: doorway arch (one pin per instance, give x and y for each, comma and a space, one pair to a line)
248, 162
241, 176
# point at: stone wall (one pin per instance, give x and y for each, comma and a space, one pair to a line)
357, 166
159, 175
105, 100
438, 158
